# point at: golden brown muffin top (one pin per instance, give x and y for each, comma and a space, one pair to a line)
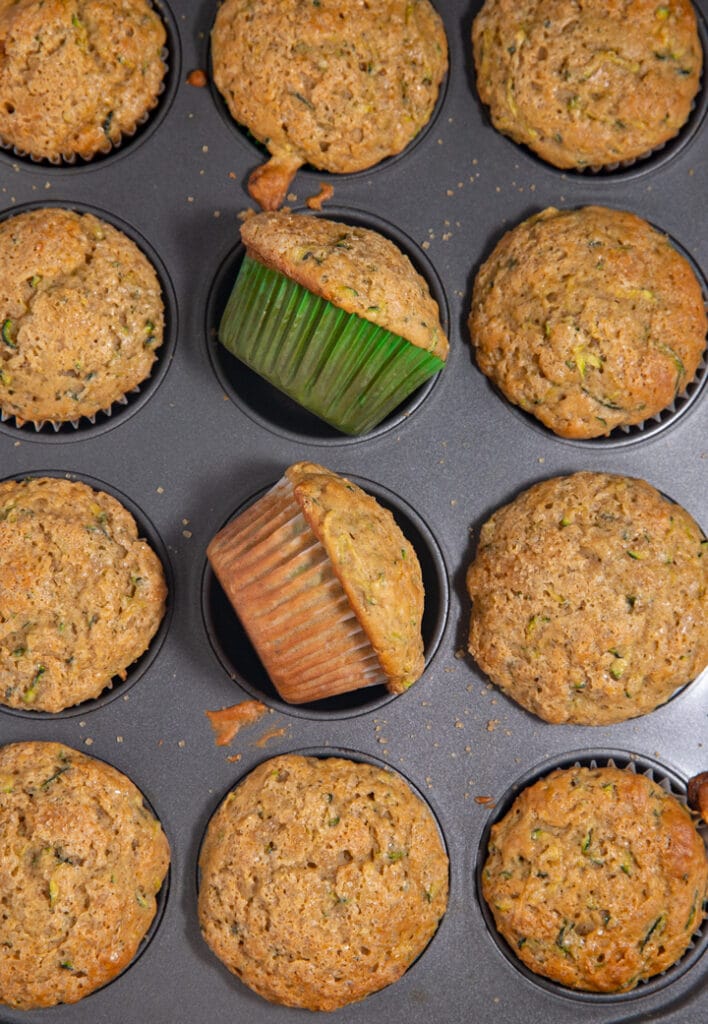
588, 319
589, 598
81, 862
376, 565
81, 315
596, 878
322, 879
355, 268
76, 75
82, 595
339, 85
589, 84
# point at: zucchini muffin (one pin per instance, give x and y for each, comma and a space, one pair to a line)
339, 86
81, 316
334, 315
589, 599
588, 85
321, 881
82, 595
326, 586
81, 861
588, 319
596, 878
77, 75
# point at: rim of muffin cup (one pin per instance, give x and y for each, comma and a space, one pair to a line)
239, 659
144, 128
119, 688
261, 401
645, 163
668, 779
129, 403
625, 435
323, 753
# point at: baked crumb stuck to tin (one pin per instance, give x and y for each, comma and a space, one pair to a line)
339, 86
322, 880
590, 85
82, 594
77, 75
596, 878
589, 599
588, 319
81, 316
81, 862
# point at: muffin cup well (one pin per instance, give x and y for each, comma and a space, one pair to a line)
344, 369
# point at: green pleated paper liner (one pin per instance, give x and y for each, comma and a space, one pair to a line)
344, 369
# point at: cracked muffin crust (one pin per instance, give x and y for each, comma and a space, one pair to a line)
589, 599
588, 319
81, 595
339, 86
77, 75
81, 316
81, 862
596, 878
321, 880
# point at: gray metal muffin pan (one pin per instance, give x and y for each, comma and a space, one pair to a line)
203, 437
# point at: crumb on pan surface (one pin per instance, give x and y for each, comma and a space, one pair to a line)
589, 85
339, 86
81, 862
321, 880
81, 315
596, 878
588, 319
589, 599
355, 268
81, 595
77, 75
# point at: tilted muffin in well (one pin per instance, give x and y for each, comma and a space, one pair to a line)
326, 585
339, 86
588, 85
321, 880
77, 75
82, 594
334, 315
588, 319
596, 878
589, 599
81, 316
81, 862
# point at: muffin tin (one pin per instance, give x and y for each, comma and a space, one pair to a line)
204, 437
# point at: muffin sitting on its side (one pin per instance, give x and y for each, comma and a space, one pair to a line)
81, 316
77, 75
81, 862
588, 319
588, 85
322, 880
596, 878
589, 599
335, 316
326, 585
339, 85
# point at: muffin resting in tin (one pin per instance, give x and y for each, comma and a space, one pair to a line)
81, 862
339, 86
81, 316
589, 599
588, 319
321, 880
77, 75
588, 85
596, 878
82, 595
